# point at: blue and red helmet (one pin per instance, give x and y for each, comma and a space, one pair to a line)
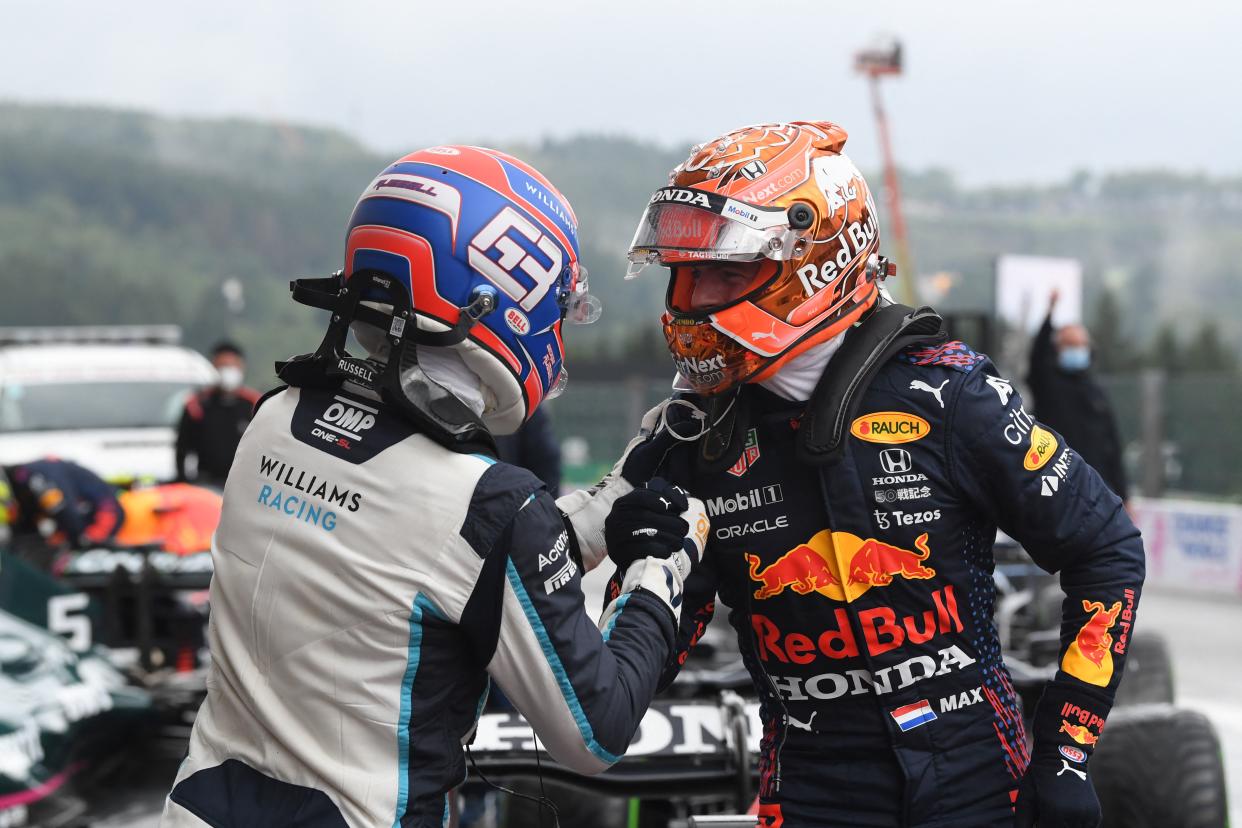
451, 223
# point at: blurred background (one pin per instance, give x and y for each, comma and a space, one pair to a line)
173, 165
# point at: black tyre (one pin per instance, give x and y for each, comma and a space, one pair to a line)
1148, 678
1159, 767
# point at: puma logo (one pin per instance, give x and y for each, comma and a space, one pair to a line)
771, 334
919, 385
1065, 766
801, 725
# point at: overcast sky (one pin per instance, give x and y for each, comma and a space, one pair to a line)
994, 90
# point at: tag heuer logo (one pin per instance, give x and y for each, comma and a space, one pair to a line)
750, 453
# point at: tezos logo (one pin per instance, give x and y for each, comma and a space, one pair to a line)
890, 427
896, 461
517, 321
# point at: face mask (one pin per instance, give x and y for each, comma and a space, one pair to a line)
230, 377
1076, 358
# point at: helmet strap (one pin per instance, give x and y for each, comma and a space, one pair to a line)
399, 381
835, 401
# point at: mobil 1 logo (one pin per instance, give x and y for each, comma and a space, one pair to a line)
742, 501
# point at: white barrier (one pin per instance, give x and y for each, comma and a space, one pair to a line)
1191, 543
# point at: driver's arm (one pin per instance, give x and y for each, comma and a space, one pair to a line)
1041, 492
583, 691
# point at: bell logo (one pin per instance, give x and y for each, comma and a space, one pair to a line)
517, 321
890, 427
347, 417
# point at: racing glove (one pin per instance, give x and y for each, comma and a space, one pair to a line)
658, 533
1056, 791
647, 523
586, 510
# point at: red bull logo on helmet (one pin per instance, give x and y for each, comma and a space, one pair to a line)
840, 566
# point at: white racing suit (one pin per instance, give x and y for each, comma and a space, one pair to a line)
367, 583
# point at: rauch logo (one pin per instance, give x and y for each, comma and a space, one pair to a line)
890, 427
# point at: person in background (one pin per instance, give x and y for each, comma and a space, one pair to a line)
534, 447
83, 508
1069, 398
213, 420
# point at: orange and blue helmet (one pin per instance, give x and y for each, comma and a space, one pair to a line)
485, 250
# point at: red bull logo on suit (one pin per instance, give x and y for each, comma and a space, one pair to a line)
840, 566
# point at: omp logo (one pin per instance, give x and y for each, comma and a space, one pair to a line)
349, 418
539, 260
890, 427
1043, 446
896, 461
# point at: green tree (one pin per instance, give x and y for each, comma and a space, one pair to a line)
1208, 352
1113, 351
1166, 351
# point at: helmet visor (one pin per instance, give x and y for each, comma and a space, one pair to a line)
683, 225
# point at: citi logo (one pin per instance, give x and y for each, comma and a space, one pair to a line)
348, 418
896, 461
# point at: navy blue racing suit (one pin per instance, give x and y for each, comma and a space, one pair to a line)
862, 594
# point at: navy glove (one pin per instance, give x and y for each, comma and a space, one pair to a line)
1056, 791
646, 523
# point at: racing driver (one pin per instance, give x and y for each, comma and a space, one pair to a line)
374, 564
856, 466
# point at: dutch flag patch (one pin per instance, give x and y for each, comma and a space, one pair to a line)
913, 715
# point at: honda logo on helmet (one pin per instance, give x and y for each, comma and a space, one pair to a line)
681, 197
896, 461
754, 169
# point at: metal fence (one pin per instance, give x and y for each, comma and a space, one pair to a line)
1178, 431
